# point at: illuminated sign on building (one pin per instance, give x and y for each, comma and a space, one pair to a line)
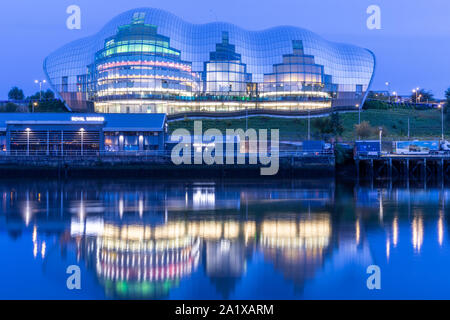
86, 119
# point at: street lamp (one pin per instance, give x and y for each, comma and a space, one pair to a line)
381, 134
359, 113
40, 87
82, 139
416, 91
28, 140
442, 120
388, 85
309, 125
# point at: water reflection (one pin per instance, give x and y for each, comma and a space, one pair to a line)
170, 239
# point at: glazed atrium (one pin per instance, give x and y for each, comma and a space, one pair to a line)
150, 61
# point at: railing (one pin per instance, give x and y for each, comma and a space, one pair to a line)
78, 153
148, 153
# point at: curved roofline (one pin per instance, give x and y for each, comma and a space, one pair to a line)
371, 79
270, 29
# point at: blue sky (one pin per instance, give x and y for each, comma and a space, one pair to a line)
412, 48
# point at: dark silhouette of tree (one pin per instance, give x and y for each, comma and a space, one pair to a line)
422, 96
11, 107
16, 94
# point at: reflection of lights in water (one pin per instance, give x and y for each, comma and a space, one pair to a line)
358, 232
27, 211
314, 233
231, 230
204, 197
92, 226
121, 208
35, 249
249, 230
395, 232
141, 208
151, 265
441, 229
388, 248
381, 207
417, 233
206, 229
314, 228
82, 212
34, 234
225, 245
279, 228
44, 246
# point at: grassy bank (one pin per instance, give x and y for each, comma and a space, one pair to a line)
424, 124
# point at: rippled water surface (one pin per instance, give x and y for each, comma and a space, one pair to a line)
143, 239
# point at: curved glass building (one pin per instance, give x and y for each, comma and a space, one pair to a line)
150, 61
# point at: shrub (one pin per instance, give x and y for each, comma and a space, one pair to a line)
364, 130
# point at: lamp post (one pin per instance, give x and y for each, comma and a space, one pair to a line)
40, 87
442, 121
309, 124
416, 91
381, 134
408, 128
40, 90
388, 85
359, 113
28, 140
82, 139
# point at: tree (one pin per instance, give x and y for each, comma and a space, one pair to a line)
383, 96
336, 124
447, 100
329, 126
447, 105
422, 96
16, 94
364, 130
11, 107
52, 105
48, 95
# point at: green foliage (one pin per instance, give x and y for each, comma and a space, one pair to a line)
424, 124
43, 95
378, 96
447, 105
422, 96
364, 130
329, 126
342, 155
376, 104
16, 94
54, 105
11, 107
336, 124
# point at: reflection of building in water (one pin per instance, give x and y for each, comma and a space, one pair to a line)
297, 247
133, 261
140, 261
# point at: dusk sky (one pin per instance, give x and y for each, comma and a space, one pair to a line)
412, 48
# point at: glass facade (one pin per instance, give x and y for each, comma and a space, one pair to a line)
150, 61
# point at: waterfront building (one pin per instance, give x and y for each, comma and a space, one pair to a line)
80, 134
150, 61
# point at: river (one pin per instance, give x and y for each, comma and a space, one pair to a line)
222, 239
